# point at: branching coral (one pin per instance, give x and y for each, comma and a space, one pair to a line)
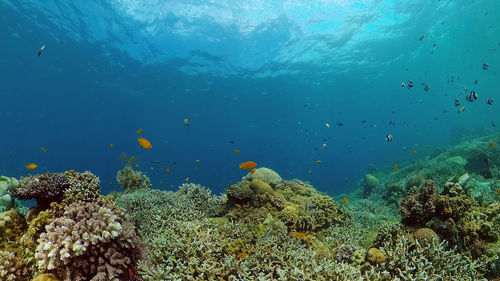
418, 206
410, 261
88, 242
56, 187
131, 180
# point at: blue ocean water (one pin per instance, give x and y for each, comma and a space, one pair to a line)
263, 77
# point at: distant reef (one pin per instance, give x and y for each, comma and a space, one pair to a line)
434, 219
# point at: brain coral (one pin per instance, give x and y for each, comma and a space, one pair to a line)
90, 241
370, 183
264, 174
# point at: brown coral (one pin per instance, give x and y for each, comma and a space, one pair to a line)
418, 206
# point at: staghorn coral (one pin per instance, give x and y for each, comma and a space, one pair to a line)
132, 180
88, 242
201, 198
410, 261
418, 206
56, 187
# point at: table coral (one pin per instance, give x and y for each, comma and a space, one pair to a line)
56, 187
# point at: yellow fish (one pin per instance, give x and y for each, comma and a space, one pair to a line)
139, 131
167, 170
144, 143
319, 161
31, 166
187, 179
197, 161
43, 149
298, 234
161, 182
186, 122
152, 169
241, 255
309, 171
428, 146
137, 165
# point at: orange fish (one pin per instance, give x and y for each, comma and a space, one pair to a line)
139, 131
111, 145
298, 234
414, 152
499, 192
253, 171
395, 168
319, 161
31, 166
236, 151
345, 200
144, 143
492, 144
248, 165
187, 179
241, 255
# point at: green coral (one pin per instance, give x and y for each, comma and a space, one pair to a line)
6, 184
132, 180
371, 182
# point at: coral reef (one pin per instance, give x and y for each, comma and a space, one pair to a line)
370, 183
74, 233
131, 180
295, 203
264, 174
418, 206
6, 184
100, 246
55, 187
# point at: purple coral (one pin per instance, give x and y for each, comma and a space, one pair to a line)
418, 206
89, 242
45, 188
